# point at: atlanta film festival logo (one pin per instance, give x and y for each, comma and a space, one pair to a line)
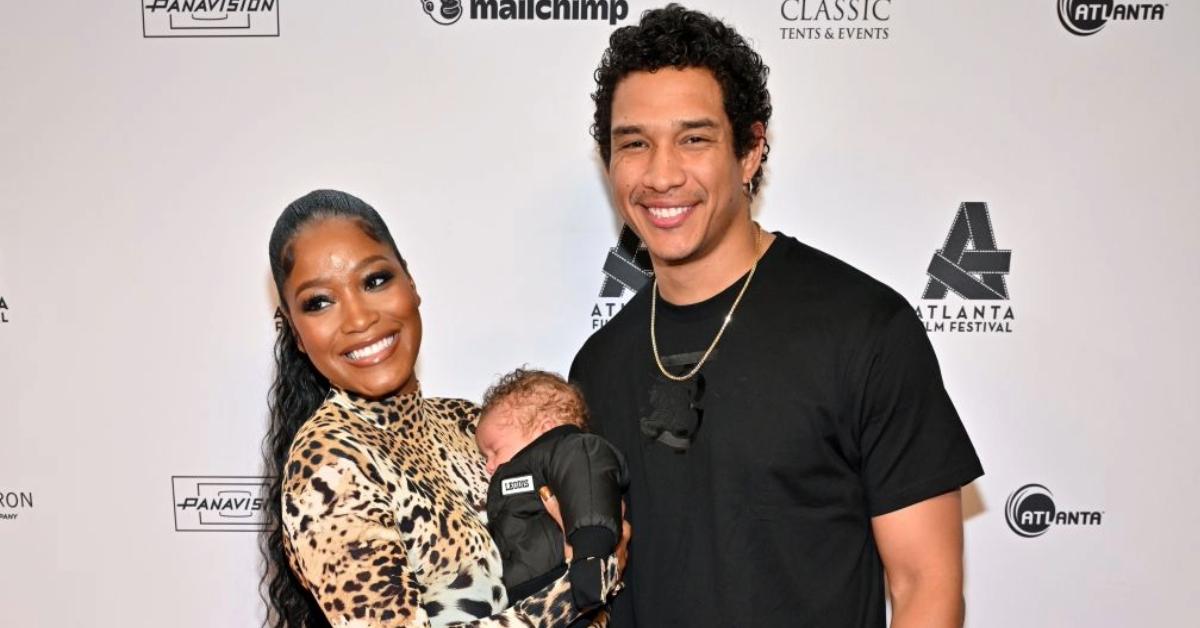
627, 269
1088, 17
227, 503
971, 267
210, 18
446, 12
1030, 511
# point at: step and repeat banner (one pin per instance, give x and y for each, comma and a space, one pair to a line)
1024, 172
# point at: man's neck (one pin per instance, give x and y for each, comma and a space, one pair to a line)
702, 278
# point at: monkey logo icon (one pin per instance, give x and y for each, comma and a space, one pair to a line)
448, 14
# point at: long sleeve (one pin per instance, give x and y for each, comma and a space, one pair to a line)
350, 551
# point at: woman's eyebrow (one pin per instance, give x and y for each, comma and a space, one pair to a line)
316, 281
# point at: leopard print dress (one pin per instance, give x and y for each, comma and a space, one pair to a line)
384, 518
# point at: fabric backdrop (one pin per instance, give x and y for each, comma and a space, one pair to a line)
149, 146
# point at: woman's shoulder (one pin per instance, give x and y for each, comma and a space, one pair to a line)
454, 405
330, 422
330, 437
461, 414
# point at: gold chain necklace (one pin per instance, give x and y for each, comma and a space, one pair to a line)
728, 317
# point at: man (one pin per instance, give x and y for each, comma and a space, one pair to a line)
787, 433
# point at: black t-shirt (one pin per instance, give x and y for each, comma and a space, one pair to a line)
822, 407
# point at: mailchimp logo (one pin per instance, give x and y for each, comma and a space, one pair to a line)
1087, 17
1030, 511
442, 11
446, 12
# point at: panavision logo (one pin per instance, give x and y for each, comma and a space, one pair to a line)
626, 270
970, 266
1030, 511
12, 502
446, 12
1087, 17
219, 503
210, 18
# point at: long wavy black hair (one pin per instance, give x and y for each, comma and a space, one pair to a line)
675, 37
298, 390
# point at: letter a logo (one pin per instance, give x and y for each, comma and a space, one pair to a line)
969, 263
627, 266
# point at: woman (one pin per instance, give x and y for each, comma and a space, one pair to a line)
377, 490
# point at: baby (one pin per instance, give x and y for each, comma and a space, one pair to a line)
531, 434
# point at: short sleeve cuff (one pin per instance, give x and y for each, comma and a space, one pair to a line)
916, 493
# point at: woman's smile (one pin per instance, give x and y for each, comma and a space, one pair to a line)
372, 352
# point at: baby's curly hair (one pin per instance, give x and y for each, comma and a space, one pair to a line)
535, 395
675, 37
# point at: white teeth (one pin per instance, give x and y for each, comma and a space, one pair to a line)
666, 212
366, 352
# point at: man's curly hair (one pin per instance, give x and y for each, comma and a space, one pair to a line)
533, 395
678, 38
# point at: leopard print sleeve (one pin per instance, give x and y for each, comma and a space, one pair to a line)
377, 545
349, 555
556, 605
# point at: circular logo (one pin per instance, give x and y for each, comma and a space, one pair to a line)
447, 13
1030, 510
1084, 17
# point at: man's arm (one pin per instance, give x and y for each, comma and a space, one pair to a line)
922, 551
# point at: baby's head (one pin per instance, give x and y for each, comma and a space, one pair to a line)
521, 406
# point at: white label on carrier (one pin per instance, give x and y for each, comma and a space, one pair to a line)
519, 484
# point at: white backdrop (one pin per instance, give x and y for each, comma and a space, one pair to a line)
140, 178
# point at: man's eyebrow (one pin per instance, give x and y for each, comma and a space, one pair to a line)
315, 281
701, 123
686, 125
